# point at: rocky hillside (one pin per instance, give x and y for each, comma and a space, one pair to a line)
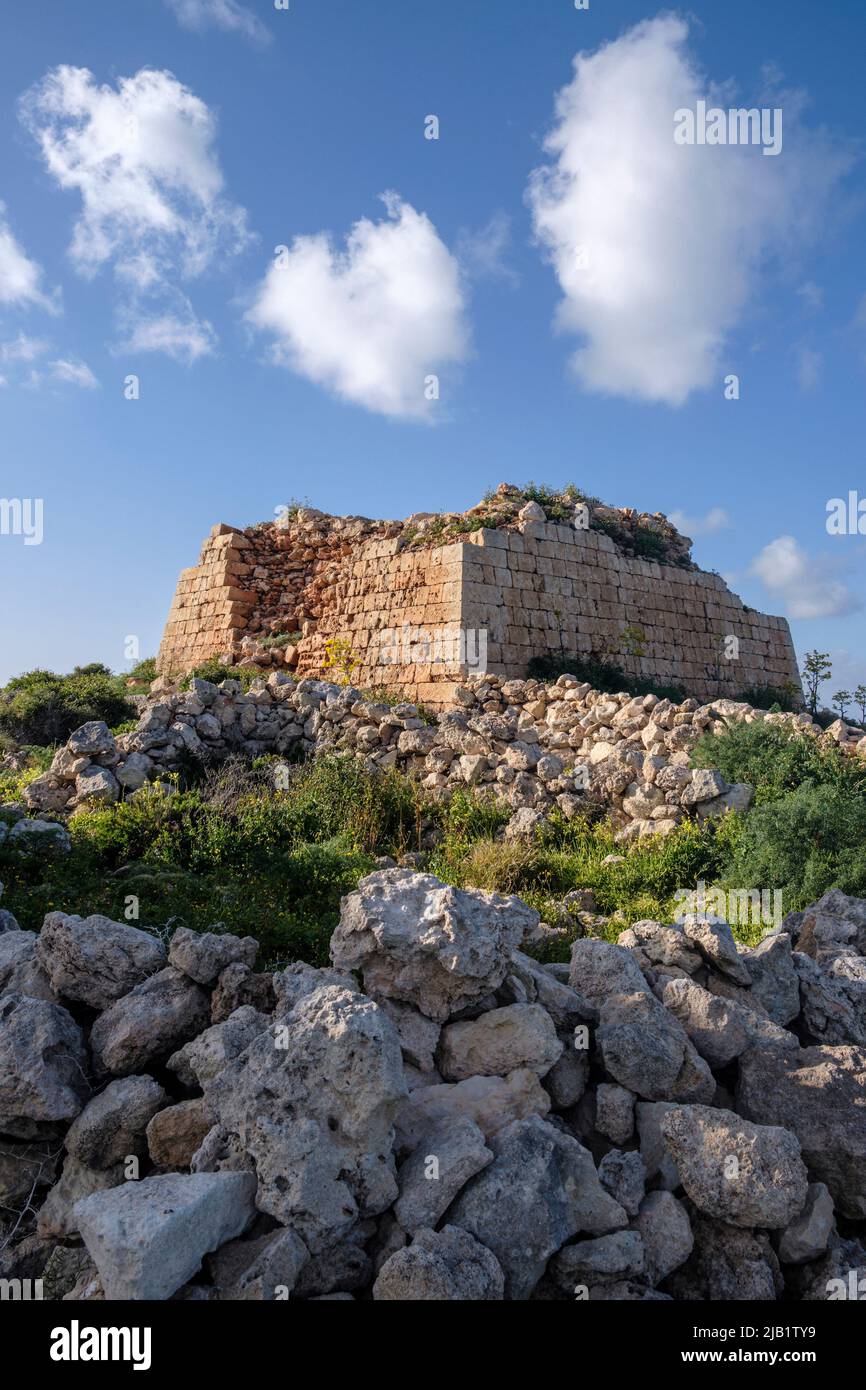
532, 746
436, 1116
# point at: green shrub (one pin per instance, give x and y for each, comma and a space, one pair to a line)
570, 854
601, 674
773, 697
776, 760
649, 544
216, 671
41, 707
804, 843
144, 670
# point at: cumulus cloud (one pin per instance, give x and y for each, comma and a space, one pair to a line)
141, 157
373, 322
803, 583
714, 520
657, 246
219, 14
20, 277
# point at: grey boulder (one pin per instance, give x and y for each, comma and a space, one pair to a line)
43, 1066
204, 955
742, 1173
431, 1177
148, 1238
541, 1189
519, 1036
441, 1266
112, 1125
415, 939
819, 1094
312, 1102
152, 1021
96, 961
646, 1049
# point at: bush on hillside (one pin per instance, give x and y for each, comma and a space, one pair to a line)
144, 671
776, 760
41, 707
215, 671
804, 843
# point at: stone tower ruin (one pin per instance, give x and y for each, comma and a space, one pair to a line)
417, 605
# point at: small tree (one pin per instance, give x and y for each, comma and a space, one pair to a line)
841, 701
860, 702
817, 668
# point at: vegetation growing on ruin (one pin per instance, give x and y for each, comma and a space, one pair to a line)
647, 538
215, 670
601, 673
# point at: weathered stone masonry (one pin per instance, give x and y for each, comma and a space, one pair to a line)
541, 587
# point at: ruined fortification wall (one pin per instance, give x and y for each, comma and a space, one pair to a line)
555, 587
274, 596
210, 605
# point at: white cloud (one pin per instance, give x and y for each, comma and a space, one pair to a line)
74, 372
714, 520
184, 338
23, 348
373, 321
674, 235
20, 278
482, 253
26, 351
141, 157
803, 583
219, 14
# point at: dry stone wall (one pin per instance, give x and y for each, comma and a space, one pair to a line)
417, 617
531, 747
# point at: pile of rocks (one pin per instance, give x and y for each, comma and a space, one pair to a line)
436, 1116
531, 746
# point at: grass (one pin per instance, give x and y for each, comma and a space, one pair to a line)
234, 850
274, 864
13, 781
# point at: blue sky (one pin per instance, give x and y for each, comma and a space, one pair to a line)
250, 129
